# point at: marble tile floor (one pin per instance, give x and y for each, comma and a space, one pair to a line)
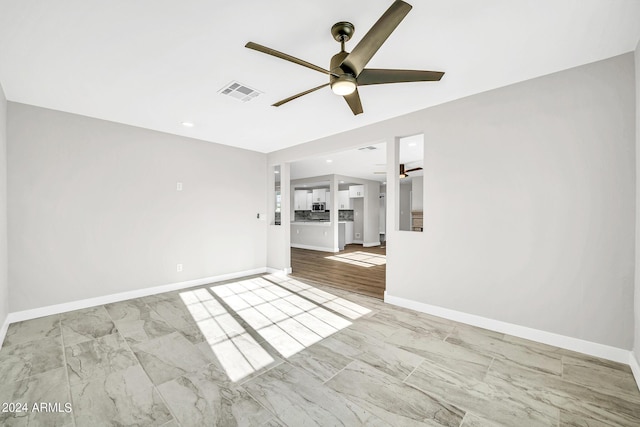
275, 351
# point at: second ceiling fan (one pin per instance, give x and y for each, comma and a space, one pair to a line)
347, 69
403, 173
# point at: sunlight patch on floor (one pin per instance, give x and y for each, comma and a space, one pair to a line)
238, 352
290, 316
361, 259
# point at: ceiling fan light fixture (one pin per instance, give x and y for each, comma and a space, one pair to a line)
344, 85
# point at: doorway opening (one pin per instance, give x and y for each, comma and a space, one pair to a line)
338, 219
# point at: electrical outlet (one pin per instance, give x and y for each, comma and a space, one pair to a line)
357, 235
178, 186
179, 268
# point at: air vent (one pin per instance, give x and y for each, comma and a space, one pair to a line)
239, 91
369, 148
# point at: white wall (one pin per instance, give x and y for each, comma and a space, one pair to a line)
417, 193
358, 219
93, 208
279, 235
404, 213
371, 232
382, 215
4, 286
529, 206
636, 344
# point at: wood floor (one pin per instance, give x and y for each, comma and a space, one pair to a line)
349, 269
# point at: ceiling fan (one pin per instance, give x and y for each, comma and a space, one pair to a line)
347, 69
404, 173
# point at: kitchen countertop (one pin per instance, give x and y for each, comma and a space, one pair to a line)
314, 223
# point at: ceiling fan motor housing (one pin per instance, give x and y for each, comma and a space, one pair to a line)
343, 82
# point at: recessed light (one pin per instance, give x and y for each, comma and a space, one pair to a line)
276, 171
341, 182
187, 124
329, 161
412, 144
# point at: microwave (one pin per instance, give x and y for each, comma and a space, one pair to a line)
318, 207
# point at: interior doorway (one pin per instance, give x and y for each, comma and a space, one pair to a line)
338, 219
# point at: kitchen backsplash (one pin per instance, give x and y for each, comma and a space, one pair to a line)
345, 215
312, 216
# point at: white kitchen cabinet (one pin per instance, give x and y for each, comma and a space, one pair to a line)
319, 195
348, 232
356, 191
344, 201
300, 202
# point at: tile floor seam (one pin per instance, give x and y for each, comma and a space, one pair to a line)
66, 371
595, 417
463, 418
259, 403
439, 398
155, 387
489, 367
414, 369
345, 367
635, 401
241, 386
241, 383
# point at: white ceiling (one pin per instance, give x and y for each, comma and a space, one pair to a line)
155, 64
362, 163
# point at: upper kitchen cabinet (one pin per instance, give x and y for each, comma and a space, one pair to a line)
344, 201
356, 191
320, 195
300, 201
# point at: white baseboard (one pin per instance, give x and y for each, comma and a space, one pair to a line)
20, 316
357, 242
312, 248
369, 245
550, 338
283, 271
635, 367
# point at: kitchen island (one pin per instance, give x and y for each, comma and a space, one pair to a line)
314, 235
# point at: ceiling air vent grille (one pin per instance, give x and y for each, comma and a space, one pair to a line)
240, 91
369, 148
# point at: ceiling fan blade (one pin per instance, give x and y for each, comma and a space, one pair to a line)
353, 99
291, 98
273, 52
377, 35
411, 170
374, 76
